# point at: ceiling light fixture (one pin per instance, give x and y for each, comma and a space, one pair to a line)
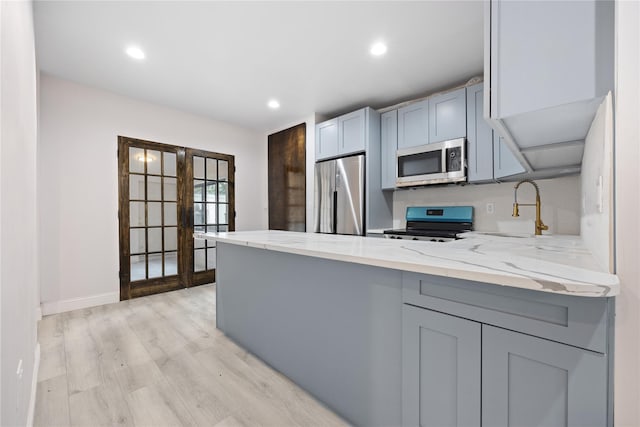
273, 104
378, 49
148, 158
135, 52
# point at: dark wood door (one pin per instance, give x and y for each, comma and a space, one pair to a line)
211, 195
287, 179
157, 213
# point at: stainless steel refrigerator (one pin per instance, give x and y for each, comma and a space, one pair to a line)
339, 196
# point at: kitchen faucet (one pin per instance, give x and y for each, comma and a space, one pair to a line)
539, 224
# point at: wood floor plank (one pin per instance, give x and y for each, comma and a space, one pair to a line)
180, 320
155, 405
230, 422
160, 360
118, 345
205, 395
261, 385
82, 356
52, 403
103, 405
52, 351
157, 335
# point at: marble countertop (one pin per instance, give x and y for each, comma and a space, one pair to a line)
556, 264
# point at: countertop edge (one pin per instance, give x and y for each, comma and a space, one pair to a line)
556, 286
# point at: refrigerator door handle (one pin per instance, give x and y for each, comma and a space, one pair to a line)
335, 212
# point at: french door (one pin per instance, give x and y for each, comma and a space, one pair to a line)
166, 193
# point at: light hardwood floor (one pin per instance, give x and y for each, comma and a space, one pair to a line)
160, 360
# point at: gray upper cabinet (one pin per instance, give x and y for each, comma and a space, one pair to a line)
413, 124
343, 135
528, 381
504, 162
388, 146
440, 369
488, 157
479, 138
548, 64
447, 118
327, 139
351, 132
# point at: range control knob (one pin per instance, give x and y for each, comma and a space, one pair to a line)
415, 238
433, 240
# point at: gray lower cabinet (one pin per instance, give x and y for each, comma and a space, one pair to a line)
476, 354
529, 381
459, 372
441, 369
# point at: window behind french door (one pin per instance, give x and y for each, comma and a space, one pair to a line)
166, 193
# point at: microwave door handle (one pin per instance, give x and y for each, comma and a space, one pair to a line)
444, 160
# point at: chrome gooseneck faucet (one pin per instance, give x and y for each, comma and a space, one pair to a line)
539, 224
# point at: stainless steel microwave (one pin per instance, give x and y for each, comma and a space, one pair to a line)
436, 163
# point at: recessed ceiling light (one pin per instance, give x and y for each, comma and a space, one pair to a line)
135, 52
378, 49
273, 104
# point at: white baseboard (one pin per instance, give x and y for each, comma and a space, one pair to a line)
34, 386
78, 303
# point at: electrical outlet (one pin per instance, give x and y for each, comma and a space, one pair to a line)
490, 208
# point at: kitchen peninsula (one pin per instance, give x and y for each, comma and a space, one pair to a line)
363, 323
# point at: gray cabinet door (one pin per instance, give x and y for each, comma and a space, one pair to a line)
440, 369
504, 162
549, 53
327, 139
388, 148
413, 124
529, 381
351, 132
447, 116
479, 137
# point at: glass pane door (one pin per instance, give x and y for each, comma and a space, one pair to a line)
212, 188
153, 214
150, 232
166, 193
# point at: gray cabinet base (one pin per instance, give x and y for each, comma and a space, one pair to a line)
334, 328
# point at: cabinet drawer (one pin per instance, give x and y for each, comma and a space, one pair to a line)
578, 321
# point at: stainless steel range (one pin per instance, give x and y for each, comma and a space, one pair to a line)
434, 223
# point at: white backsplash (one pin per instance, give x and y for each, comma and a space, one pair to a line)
560, 204
597, 187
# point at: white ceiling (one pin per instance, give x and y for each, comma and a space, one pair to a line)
225, 60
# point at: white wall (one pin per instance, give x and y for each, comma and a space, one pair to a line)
78, 177
627, 203
18, 266
560, 204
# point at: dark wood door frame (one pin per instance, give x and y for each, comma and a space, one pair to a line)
199, 278
186, 276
